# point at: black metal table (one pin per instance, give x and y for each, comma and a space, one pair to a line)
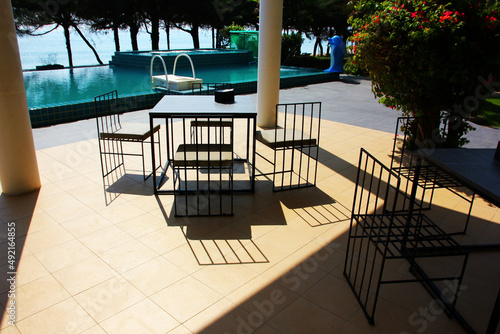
179, 107
476, 168
479, 171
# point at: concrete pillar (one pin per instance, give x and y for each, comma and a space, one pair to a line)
18, 165
268, 78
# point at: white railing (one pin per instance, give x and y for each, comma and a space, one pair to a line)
164, 68
189, 58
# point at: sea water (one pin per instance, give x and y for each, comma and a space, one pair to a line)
51, 48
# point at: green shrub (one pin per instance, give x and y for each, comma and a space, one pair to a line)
290, 46
321, 63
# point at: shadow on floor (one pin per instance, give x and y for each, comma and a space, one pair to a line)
16, 214
312, 296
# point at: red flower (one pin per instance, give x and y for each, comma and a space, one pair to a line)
449, 16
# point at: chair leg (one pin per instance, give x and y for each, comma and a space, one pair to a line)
305, 178
469, 214
143, 163
155, 168
159, 149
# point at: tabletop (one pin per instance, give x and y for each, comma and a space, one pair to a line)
475, 168
180, 105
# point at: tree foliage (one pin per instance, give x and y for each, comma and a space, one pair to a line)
430, 58
318, 18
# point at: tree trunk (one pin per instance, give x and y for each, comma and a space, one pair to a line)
317, 44
167, 29
134, 30
68, 44
428, 132
155, 33
196, 37
218, 41
116, 37
88, 44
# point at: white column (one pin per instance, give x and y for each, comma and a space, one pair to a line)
18, 165
268, 79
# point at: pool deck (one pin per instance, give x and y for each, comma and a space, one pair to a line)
275, 267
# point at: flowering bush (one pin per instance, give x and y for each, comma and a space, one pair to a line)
428, 58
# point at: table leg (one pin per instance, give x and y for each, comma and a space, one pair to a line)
153, 162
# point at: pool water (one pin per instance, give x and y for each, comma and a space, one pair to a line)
69, 85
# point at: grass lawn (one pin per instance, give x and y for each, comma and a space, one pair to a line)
489, 112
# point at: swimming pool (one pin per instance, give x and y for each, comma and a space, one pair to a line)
66, 95
65, 86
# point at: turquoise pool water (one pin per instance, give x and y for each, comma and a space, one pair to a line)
66, 85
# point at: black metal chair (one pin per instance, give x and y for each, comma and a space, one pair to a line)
295, 142
208, 88
202, 124
404, 159
112, 133
378, 234
202, 169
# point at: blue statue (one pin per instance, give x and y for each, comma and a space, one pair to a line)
338, 52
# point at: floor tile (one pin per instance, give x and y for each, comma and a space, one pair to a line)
224, 278
47, 238
334, 295
64, 255
142, 225
221, 317
302, 316
105, 239
143, 317
185, 298
38, 295
164, 239
127, 256
109, 298
86, 224
64, 317
154, 275
29, 269
84, 275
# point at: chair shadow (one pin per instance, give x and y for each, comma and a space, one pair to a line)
120, 182
217, 240
316, 208
228, 240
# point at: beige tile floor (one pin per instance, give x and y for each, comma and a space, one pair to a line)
275, 267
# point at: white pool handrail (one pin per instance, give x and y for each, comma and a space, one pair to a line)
189, 58
164, 68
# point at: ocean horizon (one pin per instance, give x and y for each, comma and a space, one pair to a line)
51, 48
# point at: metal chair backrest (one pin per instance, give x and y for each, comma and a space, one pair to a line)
208, 88
303, 117
377, 188
107, 112
375, 197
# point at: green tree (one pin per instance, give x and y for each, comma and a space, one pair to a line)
102, 16
318, 19
32, 15
430, 59
290, 46
232, 15
191, 15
